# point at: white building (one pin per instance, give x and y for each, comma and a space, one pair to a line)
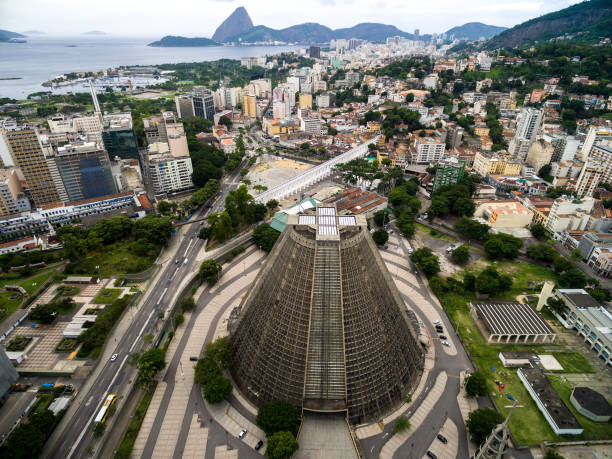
568, 213
426, 150
526, 131
167, 173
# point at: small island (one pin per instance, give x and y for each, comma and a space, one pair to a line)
176, 41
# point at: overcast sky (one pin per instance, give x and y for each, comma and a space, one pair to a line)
151, 18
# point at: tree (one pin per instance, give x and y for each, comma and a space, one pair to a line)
44, 313
502, 245
217, 389
272, 204
281, 445
188, 304
461, 255
464, 207
555, 304
471, 229
149, 363
572, 278
277, 416
401, 424
426, 260
381, 218
210, 270
153, 229
476, 384
480, 423
380, 236
492, 282
178, 319
206, 370
542, 252
539, 231
265, 236
552, 454
220, 351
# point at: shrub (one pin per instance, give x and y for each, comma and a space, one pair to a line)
401, 424
217, 389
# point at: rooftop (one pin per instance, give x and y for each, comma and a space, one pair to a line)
511, 318
592, 401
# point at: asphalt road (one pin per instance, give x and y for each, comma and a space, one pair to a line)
114, 377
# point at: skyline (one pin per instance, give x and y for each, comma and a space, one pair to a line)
201, 18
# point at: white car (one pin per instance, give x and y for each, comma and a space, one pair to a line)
242, 433
114, 357
436, 322
446, 343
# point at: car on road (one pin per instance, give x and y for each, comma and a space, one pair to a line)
442, 337
185, 262
446, 343
437, 322
258, 445
114, 357
432, 455
242, 433
439, 329
176, 261
442, 438
410, 251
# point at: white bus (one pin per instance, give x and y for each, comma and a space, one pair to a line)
103, 413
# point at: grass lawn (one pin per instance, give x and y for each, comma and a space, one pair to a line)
117, 258
486, 356
34, 283
436, 234
44, 400
592, 430
108, 295
10, 301
573, 363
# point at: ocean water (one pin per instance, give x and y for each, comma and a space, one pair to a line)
43, 58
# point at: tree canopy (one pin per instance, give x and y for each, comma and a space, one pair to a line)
277, 416
380, 236
480, 423
281, 445
210, 270
476, 384
426, 260
265, 236
149, 363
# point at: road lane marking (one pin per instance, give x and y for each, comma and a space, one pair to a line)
188, 245
162, 295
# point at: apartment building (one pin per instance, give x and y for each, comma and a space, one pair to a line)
426, 150
591, 175
491, 163
12, 198
568, 213
166, 171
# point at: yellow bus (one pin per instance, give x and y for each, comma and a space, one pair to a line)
103, 413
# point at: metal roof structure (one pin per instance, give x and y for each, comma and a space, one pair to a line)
323, 326
511, 318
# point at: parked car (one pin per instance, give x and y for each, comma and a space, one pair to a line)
446, 343
242, 433
432, 455
258, 445
442, 337
436, 322
442, 438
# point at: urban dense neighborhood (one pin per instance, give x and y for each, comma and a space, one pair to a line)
360, 248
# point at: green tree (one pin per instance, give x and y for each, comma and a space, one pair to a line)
539, 231
461, 255
210, 270
552, 454
217, 389
277, 416
381, 218
206, 370
220, 351
426, 260
187, 304
281, 445
149, 363
480, 423
265, 236
401, 424
380, 236
471, 229
272, 204
542, 252
178, 319
502, 245
572, 278
491, 282
476, 384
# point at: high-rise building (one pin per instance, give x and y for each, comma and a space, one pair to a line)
8, 373
596, 135
249, 105
315, 52
305, 100
119, 137
12, 198
323, 326
590, 177
203, 104
84, 169
184, 107
526, 131
449, 171
602, 152
166, 171
26, 151
155, 127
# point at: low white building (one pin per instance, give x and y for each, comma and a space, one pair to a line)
569, 213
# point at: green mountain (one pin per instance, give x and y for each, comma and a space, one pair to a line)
371, 31
474, 31
589, 20
174, 41
6, 35
237, 23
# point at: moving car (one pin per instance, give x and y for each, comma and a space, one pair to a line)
114, 357
242, 433
442, 438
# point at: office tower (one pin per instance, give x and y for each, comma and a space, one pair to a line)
590, 177
315, 52
84, 169
203, 104
184, 107
323, 326
27, 154
353, 43
119, 137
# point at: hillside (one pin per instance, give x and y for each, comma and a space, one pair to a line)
371, 31
475, 30
590, 18
6, 35
239, 22
174, 41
